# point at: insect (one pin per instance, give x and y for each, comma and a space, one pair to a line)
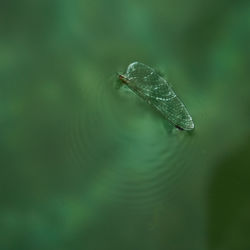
155, 90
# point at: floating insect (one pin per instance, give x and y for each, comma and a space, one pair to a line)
155, 90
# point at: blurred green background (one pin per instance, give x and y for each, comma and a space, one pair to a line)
85, 165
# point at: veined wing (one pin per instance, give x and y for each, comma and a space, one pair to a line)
175, 111
149, 85
147, 81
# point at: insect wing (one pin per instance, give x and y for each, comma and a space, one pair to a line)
154, 89
175, 111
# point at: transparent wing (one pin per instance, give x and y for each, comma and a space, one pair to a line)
149, 85
175, 111
146, 80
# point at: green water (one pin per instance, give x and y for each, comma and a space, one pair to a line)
86, 165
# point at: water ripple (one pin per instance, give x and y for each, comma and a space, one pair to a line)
127, 149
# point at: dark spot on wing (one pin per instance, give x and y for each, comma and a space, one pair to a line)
179, 127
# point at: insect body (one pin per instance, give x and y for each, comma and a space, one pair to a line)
123, 79
154, 89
